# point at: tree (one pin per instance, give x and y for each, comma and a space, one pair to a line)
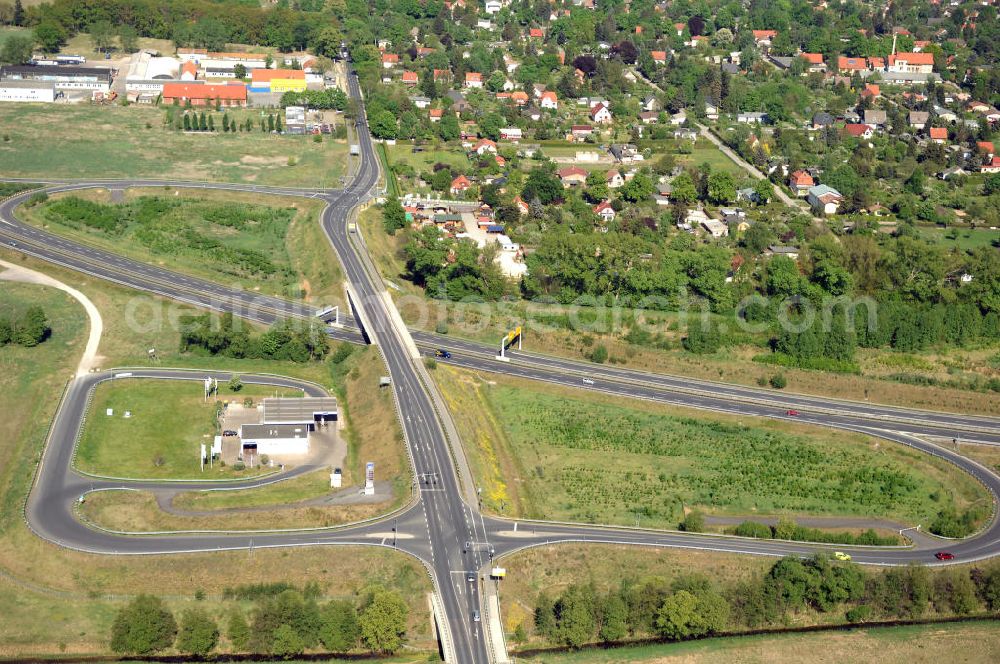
238, 630
235, 384
639, 188
694, 522
764, 190
393, 216
240, 70
143, 627
576, 616
18, 17
383, 621
50, 36
286, 642
339, 630
198, 633
128, 38
17, 49
721, 187
543, 185
615, 624
496, 81
102, 35
383, 125
702, 336
684, 614
448, 128
683, 190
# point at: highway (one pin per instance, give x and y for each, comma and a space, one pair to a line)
447, 533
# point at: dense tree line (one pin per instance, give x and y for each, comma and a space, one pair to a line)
29, 329
228, 337
453, 269
284, 622
693, 605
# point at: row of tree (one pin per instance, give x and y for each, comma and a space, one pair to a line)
693, 605
29, 328
284, 624
229, 337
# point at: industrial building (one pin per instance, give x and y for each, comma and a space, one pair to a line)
147, 74
203, 94
40, 91
277, 80
286, 424
65, 78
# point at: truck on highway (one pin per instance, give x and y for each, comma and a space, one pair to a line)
352, 227
355, 149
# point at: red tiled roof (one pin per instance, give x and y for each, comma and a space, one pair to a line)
231, 92
268, 75
189, 67
854, 64
764, 34
913, 58
938, 133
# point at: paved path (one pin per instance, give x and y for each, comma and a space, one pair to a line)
19, 273
844, 522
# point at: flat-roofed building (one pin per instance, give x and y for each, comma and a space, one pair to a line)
37, 91
97, 79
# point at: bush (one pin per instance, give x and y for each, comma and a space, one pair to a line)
143, 627
694, 522
753, 529
778, 381
859, 614
441, 327
599, 354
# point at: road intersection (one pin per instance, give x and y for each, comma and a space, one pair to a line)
442, 527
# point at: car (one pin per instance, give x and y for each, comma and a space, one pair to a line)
840, 555
588, 381
470, 577
944, 555
229, 432
12, 243
475, 616
441, 352
792, 413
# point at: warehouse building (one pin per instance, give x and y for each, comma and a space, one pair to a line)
203, 94
147, 74
40, 91
277, 80
65, 78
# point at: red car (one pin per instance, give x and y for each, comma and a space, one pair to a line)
793, 413
944, 555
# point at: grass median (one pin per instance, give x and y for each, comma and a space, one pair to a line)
552, 452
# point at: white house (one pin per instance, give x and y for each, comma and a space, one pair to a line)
600, 114
825, 198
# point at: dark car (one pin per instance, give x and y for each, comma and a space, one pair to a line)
440, 352
470, 577
792, 413
944, 555
229, 432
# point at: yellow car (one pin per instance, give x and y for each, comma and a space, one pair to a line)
840, 555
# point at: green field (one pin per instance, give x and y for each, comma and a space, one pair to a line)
85, 141
965, 239
557, 453
143, 445
705, 152
260, 243
977, 643
310, 485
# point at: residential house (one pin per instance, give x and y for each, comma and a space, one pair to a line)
536, 33
614, 179
511, 134
605, 211
986, 149
678, 118
918, 63
714, 227
711, 111
918, 119
549, 100
859, 130
493, 6
801, 182
763, 38
822, 120
685, 135
581, 131
850, 65
651, 103
420, 102
435, 114
522, 207
459, 185
625, 153
600, 114
410, 78
783, 250
748, 194
533, 113
572, 176
825, 199
649, 117
752, 118
993, 166
871, 91
484, 145
659, 57
875, 117
189, 71
473, 79
938, 134
389, 60
814, 62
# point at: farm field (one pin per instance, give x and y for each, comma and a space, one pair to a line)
133, 142
141, 446
262, 243
978, 643
550, 452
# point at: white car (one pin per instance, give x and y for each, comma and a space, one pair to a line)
588, 381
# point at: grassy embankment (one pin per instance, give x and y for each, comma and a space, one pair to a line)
61, 601
81, 140
270, 244
545, 451
978, 643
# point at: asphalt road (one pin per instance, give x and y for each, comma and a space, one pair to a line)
440, 528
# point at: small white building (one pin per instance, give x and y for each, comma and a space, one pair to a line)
31, 91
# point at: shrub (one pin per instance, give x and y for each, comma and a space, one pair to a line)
143, 627
694, 522
599, 354
753, 529
778, 381
441, 327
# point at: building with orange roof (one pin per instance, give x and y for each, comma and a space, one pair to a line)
473, 79
410, 78
919, 63
189, 71
199, 94
938, 134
